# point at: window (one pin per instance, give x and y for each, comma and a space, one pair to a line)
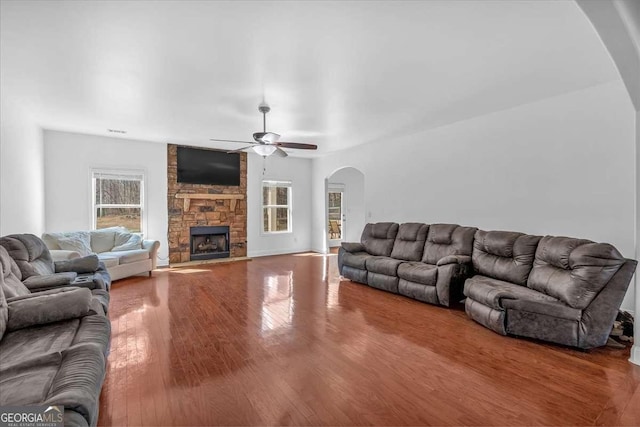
276, 206
118, 199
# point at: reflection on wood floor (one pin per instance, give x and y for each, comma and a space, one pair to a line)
280, 340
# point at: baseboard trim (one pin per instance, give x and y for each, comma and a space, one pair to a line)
257, 254
635, 354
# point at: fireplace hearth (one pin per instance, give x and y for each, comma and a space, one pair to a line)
209, 242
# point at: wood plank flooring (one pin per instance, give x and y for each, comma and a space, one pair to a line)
281, 341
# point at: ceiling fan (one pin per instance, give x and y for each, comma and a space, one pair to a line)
267, 143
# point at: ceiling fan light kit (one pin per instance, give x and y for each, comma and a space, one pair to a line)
264, 150
266, 143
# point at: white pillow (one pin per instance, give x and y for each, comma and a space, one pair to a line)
79, 242
127, 242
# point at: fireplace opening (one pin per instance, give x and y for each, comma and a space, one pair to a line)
209, 242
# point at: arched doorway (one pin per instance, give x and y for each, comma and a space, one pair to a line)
344, 206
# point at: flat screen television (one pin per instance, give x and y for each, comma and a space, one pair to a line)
199, 166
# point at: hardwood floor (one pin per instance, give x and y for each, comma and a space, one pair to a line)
280, 340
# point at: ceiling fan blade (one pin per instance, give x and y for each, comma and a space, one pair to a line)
232, 140
298, 145
280, 153
266, 137
239, 150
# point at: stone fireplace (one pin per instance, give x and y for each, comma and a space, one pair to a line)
209, 242
192, 206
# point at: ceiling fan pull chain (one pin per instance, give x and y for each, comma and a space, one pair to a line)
264, 165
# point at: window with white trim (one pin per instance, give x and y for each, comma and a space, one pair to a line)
276, 206
118, 199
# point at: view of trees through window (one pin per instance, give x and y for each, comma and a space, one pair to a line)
276, 206
118, 200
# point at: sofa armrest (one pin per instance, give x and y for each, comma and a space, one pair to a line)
152, 246
48, 281
60, 255
87, 264
454, 259
48, 307
353, 247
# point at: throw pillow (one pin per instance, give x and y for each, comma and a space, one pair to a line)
127, 242
79, 242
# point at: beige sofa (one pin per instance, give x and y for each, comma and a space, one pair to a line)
135, 256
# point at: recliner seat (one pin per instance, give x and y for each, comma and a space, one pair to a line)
438, 277
376, 240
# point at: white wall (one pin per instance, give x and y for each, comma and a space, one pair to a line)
21, 171
69, 157
292, 169
353, 181
561, 166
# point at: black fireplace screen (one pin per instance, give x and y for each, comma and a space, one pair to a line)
209, 242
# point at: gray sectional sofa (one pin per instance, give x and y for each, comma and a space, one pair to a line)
558, 289
53, 343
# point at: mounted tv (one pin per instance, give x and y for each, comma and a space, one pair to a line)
211, 167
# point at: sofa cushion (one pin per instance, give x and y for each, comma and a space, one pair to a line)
573, 270
37, 341
127, 257
71, 378
78, 241
29, 381
126, 241
504, 255
103, 239
11, 283
544, 307
109, 259
383, 265
4, 309
447, 239
418, 272
378, 238
409, 242
82, 246
491, 292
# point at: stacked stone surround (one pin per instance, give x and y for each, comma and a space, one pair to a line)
204, 212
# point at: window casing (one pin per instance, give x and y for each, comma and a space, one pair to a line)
276, 207
118, 199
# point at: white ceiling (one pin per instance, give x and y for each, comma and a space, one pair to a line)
335, 73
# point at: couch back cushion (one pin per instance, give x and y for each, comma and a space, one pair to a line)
573, 270
4, 309
11, 276
103, 240
378, 238
504, 255
30, 254
409, 242
447, 239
